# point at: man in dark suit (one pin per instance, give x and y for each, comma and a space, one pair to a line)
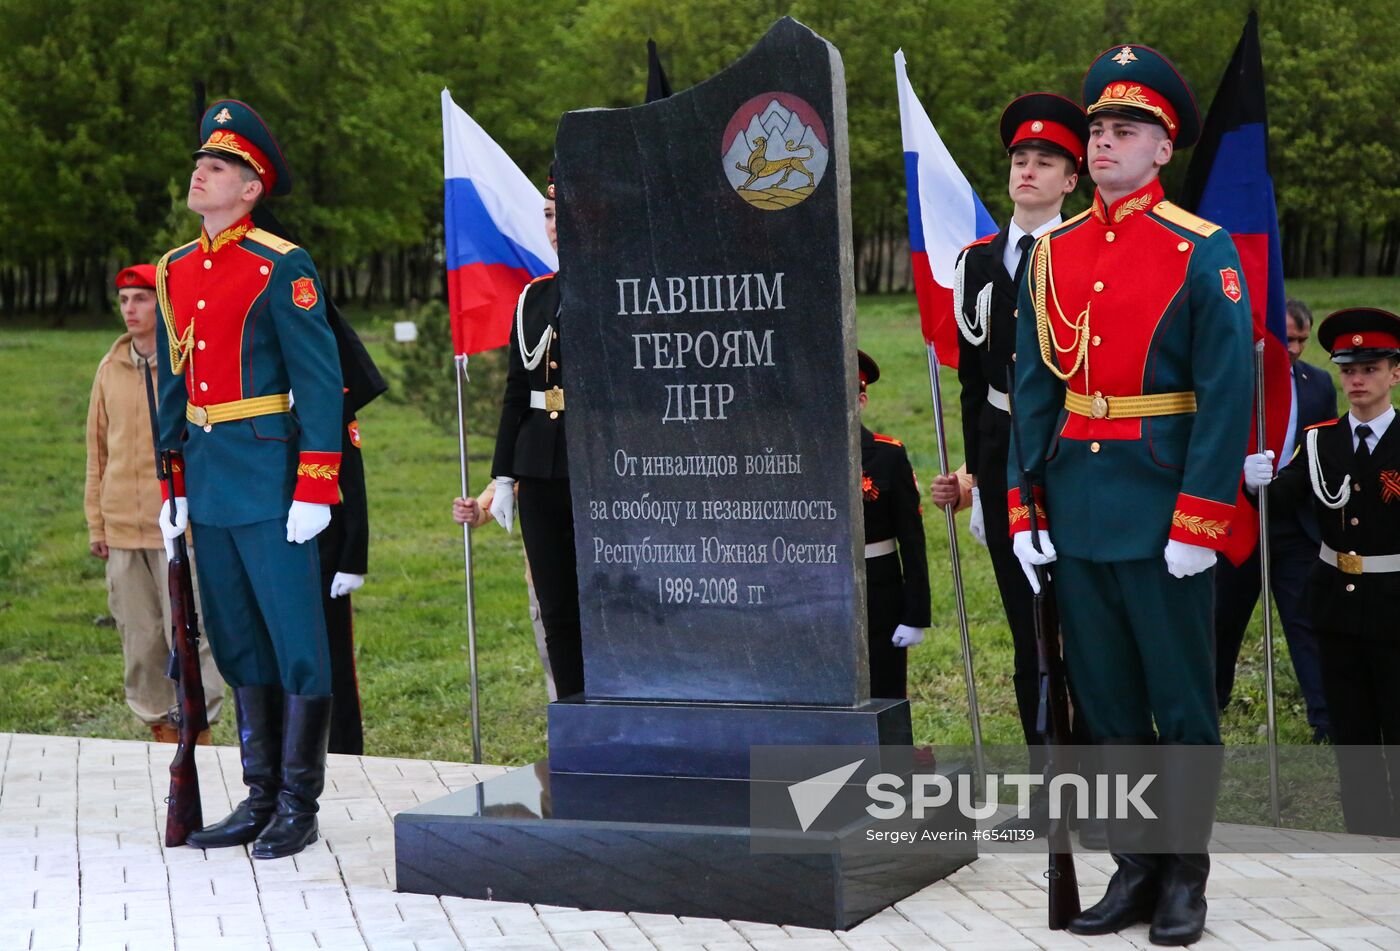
1293, 541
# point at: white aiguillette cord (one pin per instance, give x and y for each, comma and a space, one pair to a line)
531, 358
1333, 500
977, 333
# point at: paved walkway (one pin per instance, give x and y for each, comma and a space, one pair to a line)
82, 865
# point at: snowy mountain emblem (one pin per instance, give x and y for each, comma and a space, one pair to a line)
775, 151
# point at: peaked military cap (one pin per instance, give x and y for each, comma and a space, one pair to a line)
869, 370
1045, 120
138, 275
1360, 334
1141, 84
234, 128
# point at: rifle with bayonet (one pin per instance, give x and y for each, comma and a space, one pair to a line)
183, 813
1052, 709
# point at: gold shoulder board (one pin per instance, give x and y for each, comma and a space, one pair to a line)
1184, 219
1077, 218
269, 240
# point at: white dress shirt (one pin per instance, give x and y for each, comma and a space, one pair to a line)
1378, 427
1011, 257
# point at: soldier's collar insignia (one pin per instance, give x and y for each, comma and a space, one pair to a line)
226, 237
224, 115
1125, 56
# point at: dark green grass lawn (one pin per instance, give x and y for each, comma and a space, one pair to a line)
61, 673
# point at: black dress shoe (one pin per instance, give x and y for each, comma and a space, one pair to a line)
260, 749
1131, 897
306, 728
1180, 917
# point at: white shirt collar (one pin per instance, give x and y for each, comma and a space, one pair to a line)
1378, 425
1014, 232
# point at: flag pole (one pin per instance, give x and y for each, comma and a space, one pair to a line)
1266, 590
461, 376
941, 435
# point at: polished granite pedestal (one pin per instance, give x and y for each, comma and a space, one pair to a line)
664, 845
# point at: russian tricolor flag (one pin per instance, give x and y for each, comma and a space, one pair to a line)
945, 215
1228, 183
494, 220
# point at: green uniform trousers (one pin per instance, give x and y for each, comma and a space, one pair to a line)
1140, 648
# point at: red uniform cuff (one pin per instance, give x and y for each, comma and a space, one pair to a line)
318, 478
1202, 522
177, 476
1019, 514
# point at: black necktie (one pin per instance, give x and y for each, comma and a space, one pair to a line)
1025, 248
1363, 451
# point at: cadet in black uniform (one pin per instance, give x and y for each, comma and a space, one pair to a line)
530, 449
1045, 136
1348, 470
344, 545
896, 565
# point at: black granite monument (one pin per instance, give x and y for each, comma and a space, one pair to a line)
709, 315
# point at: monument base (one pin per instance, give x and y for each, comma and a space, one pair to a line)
662, 845
670, 738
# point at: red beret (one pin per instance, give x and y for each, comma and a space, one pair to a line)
138, 275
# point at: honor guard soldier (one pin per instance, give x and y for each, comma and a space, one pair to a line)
1045, 137
244, 324
896, 564
530, 450
1132, 397
1348, 472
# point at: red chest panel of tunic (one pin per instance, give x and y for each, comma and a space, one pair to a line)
217, 290
1126, 276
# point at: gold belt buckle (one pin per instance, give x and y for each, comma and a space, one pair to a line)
1349, 564
554, 399
1098, 407
199, 415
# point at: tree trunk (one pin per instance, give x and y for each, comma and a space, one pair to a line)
1338, 242
1362, 248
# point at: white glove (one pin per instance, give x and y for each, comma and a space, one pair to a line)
977, 525
1185, 560
306, 520
1026, 554
1259, 469
503, 503
906, 636
182, 521
342, 584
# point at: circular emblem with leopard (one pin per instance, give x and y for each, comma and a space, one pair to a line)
775, 151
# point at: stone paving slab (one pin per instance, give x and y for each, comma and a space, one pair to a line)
82, 865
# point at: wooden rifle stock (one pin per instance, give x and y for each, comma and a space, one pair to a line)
183, 812
1052, 709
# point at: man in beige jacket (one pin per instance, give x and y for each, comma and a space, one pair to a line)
122, 501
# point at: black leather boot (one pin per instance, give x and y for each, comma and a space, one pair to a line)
1180, 917
1132, 892
305, 732
260, 745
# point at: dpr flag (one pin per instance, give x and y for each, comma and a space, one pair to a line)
945, 215
1228, 182
493, 216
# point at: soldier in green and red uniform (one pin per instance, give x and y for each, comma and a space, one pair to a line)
243, 325
1132, 401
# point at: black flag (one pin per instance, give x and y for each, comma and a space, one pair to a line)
658, 86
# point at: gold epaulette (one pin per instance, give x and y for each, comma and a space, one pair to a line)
269, 240
1075, 220
1184, 219
179, 346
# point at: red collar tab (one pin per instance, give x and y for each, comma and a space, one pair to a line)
1129, 205
1138, 98
229, 235
1055, 133
231, 143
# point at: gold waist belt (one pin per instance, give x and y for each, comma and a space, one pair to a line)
1129, 407
237, 409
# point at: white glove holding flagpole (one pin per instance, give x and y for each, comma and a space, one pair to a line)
503, 504
1259, 469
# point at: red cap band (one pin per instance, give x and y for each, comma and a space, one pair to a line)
1052, 132
1139, 97
231, 143
1366, 340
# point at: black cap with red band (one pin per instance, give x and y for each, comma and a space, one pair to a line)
1360, 334
1047, 121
